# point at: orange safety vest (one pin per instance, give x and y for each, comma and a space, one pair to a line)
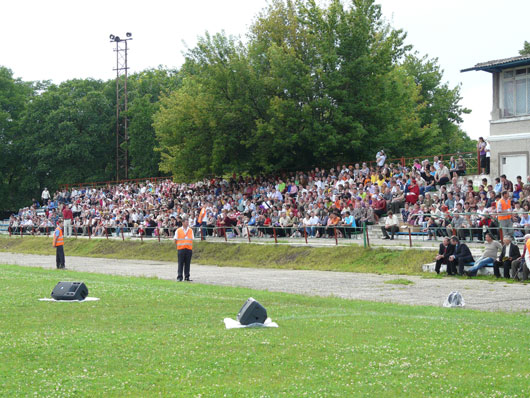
58, 240
202, 214
506, 206
184, 239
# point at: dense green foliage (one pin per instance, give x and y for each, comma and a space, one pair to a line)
61, 134
526, 48
310, 86
149, 337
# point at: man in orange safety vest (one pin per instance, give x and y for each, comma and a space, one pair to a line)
184, 241
58, 243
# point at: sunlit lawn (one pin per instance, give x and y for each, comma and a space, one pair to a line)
149, 337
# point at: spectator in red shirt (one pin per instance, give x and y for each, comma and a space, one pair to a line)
68, 220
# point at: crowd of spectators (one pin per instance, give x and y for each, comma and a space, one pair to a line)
432, 197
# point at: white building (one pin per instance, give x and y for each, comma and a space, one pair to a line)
510, 115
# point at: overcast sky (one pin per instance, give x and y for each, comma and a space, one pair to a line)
60, 40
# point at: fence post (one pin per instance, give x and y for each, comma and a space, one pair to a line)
9, 230
75, 232
248, 235
141, 237
107, 233
275, 237
225, 233
335, 233
122, 235
158, 229
410, 238
367, 236
305, 235
202, 234
89, 232
364, 234
21, 228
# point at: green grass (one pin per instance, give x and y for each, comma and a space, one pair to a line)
399, 281
149, 337
350, 258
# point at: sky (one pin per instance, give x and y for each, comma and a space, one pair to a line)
59, 40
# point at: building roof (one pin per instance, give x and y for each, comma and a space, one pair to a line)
500, 64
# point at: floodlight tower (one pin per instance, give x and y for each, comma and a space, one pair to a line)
122, 136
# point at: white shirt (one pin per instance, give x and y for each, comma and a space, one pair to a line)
391, 220
185, 231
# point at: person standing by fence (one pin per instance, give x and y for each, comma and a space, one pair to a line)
58, 243
68, 218
184, 241
504, 206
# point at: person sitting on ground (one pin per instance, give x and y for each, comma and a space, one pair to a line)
461, 256
509, 252
446, 250
391, 224
492, 247
523, 262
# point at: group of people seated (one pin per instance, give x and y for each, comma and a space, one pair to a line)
317, 203
507, 256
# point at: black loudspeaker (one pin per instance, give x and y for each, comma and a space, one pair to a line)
252, 312
70, 291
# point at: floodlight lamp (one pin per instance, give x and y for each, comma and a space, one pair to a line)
117, 38
111, 37
129, 34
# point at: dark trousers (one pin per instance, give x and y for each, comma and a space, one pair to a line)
439, 264
59, 257
184, 257
461, 262
516, 265
507, 265
393, 229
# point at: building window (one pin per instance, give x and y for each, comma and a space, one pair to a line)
516, 92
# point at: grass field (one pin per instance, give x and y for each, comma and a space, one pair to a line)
149, 337
349, 259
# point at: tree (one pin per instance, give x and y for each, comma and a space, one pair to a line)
66, 136
145, 90
526, 49
312, 87
14, 96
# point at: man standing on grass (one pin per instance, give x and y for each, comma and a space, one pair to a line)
58, 243
184, 241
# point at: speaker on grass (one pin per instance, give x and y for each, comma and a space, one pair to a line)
252, 312
70, 291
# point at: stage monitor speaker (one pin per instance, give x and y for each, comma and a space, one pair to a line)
70, 291
252, 312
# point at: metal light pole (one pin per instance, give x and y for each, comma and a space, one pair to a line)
122, 136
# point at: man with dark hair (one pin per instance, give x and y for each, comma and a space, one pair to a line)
184, 241
504, 206
446, 250
58, 243
509, 252
461, 256
391, 224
